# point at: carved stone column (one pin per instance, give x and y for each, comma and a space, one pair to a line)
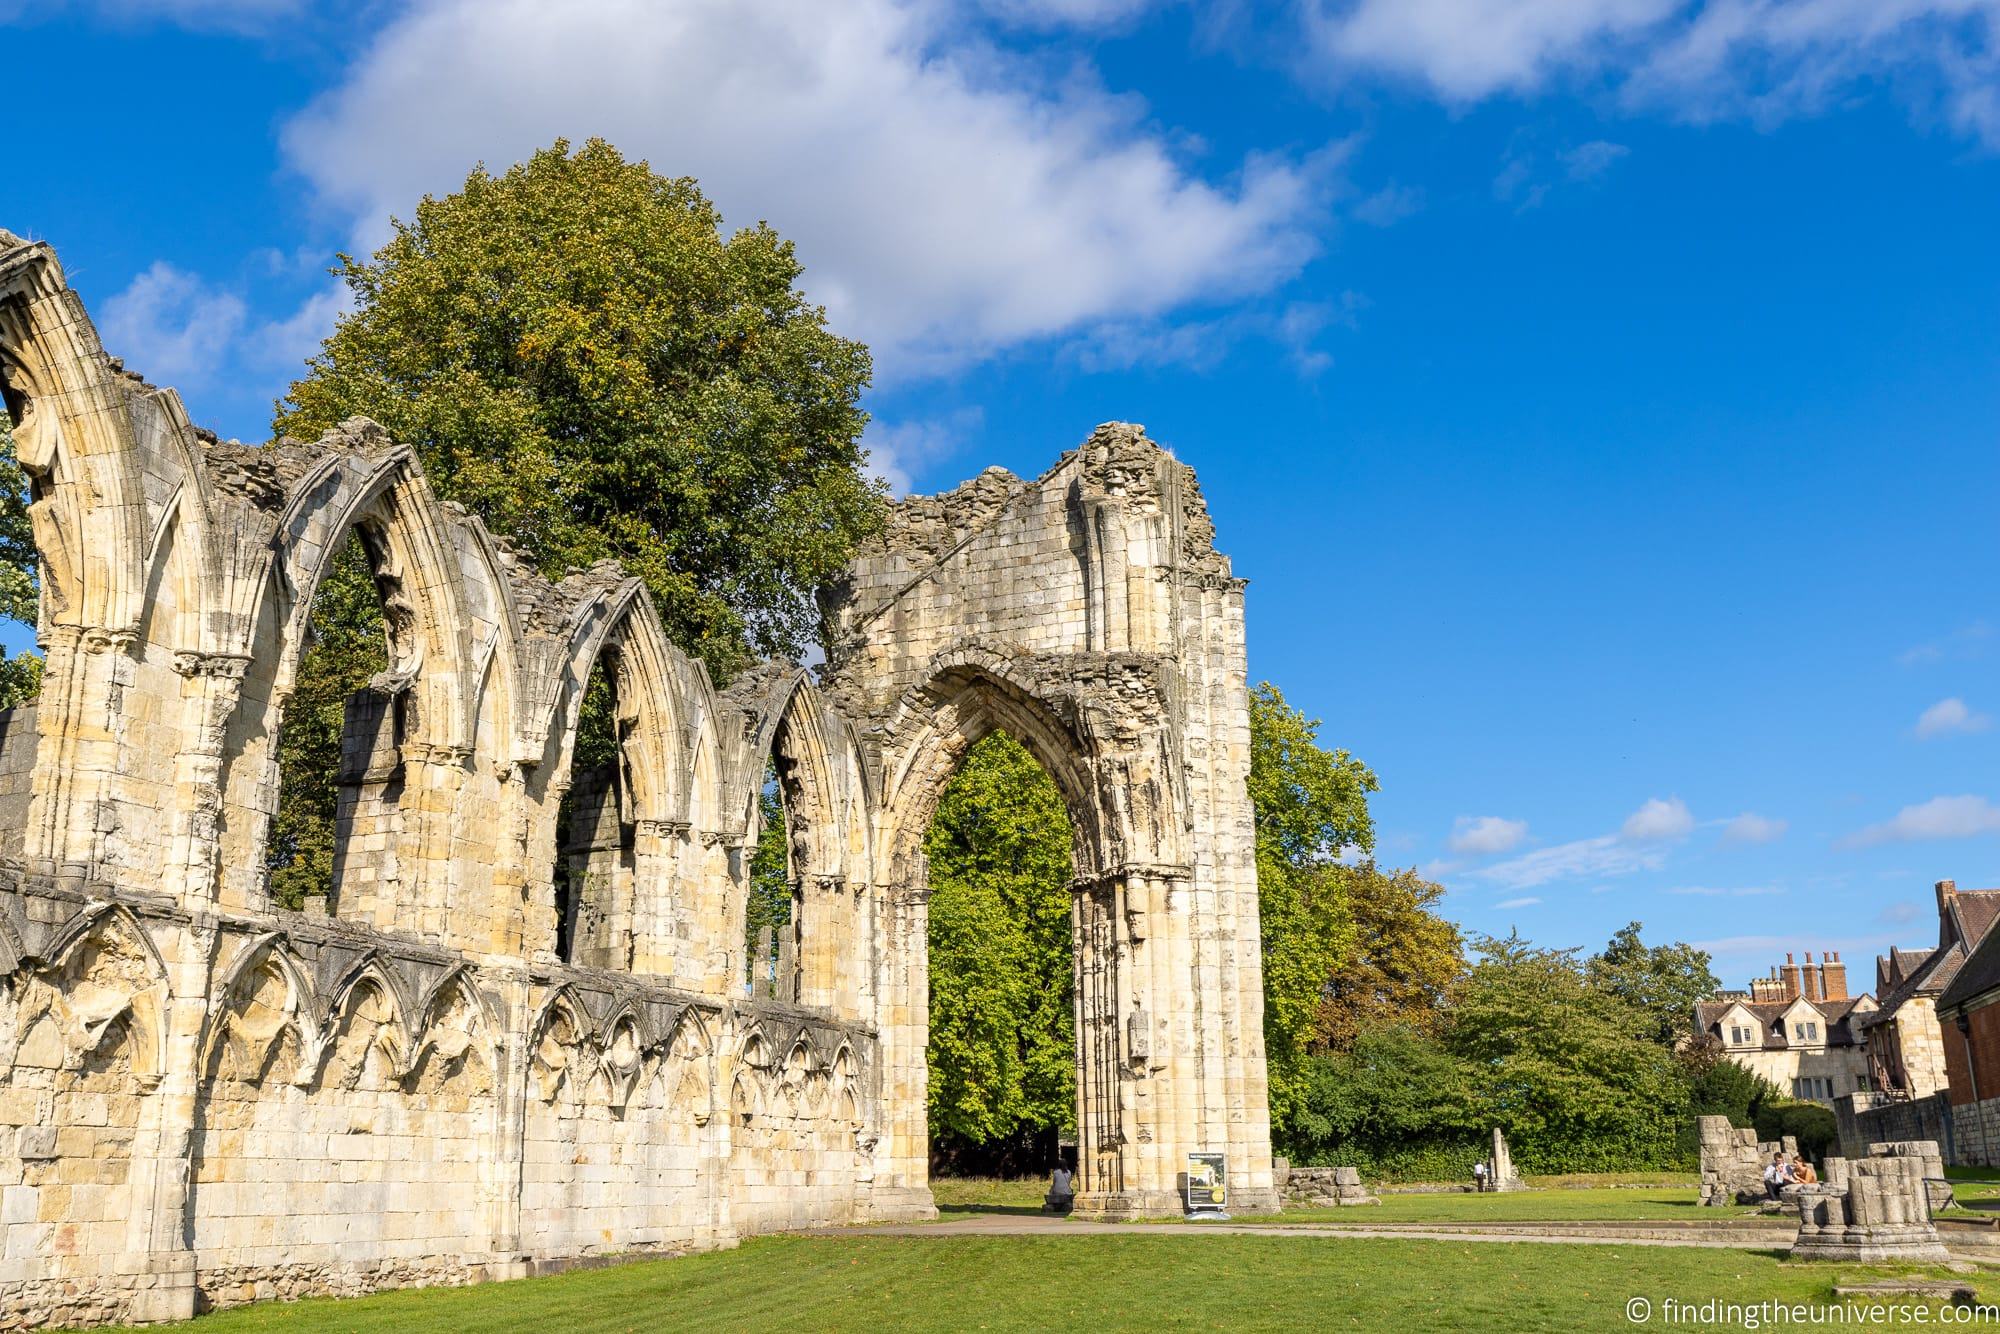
214, 687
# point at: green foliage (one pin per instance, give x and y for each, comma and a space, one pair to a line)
1718, 1086
1815, 1127
1311, 807
1564, 1067
1002, 1054
349, 645
1402, 963
770, 902
20, 675
577, 353
1396, 1097
1665, 981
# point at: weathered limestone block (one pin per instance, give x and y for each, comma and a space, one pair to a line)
1869, 1209
1930, 1165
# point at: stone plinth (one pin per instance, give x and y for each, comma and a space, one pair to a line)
1870, 1209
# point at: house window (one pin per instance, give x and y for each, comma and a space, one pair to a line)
1806, 1032
1813, 1088
1739, 1036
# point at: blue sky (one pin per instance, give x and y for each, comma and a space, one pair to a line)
1600, 395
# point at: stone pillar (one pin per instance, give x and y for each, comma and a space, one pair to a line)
214, 687
901, 1182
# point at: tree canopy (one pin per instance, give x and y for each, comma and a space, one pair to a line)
1311, 809
578, 353
1663, 981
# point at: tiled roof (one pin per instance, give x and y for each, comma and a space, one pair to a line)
1978, 975
1838, 1017
1969, 925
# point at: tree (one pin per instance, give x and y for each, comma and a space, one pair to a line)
1664, 981
578, 354
770, 902
1570, 1071
1389, 1102
1402, 961
20, 675
1002, 1052
1311, 808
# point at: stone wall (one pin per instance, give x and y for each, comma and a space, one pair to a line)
436, 1072
1875, 1118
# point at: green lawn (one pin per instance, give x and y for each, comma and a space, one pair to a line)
1145, 1281
1628, 1204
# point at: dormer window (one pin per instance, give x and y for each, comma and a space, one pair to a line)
1739, 1036
1804, 1031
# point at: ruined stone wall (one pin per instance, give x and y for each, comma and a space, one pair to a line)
423, 1075
1088, 613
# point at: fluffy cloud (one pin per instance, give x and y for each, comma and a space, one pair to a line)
1658, 819
896, 450
948, 199
172, 327
1948, 716
1751, 828
1940, 817
1528, 902
1640, 844
1702, 59
1484, 835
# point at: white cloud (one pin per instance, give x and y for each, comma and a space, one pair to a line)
1528, 902
1940, 817
171, 327
1484, 835
1391, 204
1065, 13
1606, 854
949, 200
1587, 161
1764, 60
1658, 819
897, 450
1968, 641
1948, 716
1751, 828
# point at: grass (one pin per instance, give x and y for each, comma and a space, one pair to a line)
1146, 1281
987, 1195
1600, 1204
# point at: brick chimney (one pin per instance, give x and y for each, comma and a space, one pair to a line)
1833, 977
1790, 972
1947, 894
1811, 978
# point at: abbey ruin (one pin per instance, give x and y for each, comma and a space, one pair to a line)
437, 1073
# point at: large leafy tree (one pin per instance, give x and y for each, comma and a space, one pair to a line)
1311, 811
20, 675
1663, 981
1568, 1069
1402, 963
578, 353
1002, 1055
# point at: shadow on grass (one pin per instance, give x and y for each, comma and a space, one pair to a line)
1015, 1210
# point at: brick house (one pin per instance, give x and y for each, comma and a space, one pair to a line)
1968, 1013
1796, 1028
1902, 1038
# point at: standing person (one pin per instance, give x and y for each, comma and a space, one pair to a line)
1479, 1176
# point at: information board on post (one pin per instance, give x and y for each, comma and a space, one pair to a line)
1207, 1185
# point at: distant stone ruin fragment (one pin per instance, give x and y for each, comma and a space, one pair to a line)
437, 1073
1733, 1161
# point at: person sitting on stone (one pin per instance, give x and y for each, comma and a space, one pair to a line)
1802, 1171
1774, 1176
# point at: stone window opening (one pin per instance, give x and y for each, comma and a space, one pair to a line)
337, 817
596, 832
771, 917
